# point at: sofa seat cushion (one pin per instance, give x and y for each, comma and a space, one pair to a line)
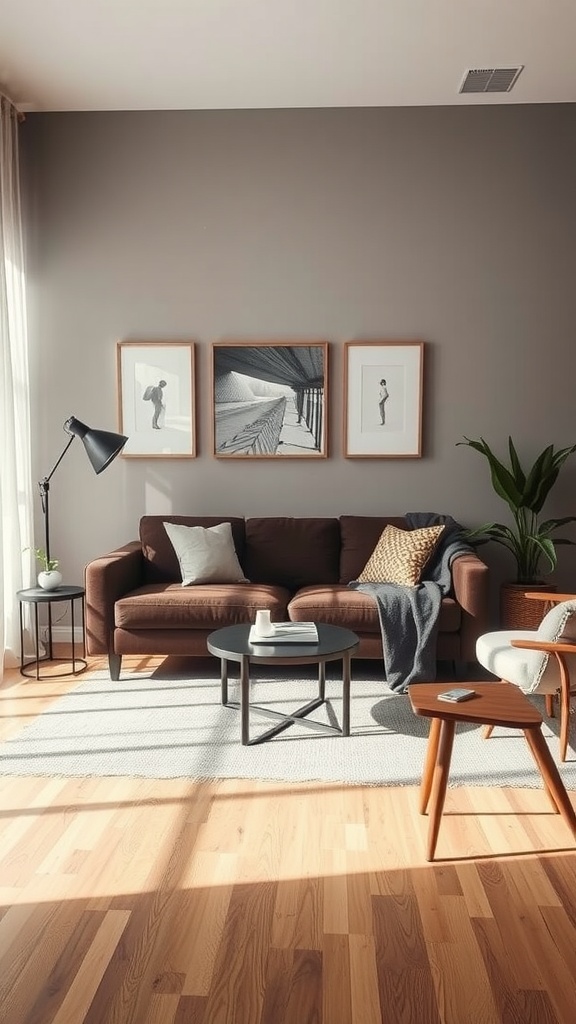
206, 606
338, 605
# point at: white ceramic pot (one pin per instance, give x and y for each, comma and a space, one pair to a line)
49, 580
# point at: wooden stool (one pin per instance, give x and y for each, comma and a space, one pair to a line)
494, 704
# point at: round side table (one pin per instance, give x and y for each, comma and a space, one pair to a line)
36, 596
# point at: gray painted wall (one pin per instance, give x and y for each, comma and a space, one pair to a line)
452, 225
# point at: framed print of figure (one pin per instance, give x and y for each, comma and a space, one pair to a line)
383, 399
156, 399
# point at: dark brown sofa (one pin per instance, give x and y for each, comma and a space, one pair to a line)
299, 568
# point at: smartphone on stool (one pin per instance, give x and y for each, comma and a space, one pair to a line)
457, 695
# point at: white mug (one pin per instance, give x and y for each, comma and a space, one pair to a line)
263, 624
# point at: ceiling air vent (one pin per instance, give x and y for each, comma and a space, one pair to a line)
490, 79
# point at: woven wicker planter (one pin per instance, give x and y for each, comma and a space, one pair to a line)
518, 611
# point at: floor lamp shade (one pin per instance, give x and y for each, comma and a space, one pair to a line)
101, 445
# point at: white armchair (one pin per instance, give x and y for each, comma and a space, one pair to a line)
538, 661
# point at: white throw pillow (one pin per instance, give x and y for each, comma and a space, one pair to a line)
205, 554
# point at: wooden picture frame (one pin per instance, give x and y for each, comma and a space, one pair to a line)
383, 399
156, 399
270, 399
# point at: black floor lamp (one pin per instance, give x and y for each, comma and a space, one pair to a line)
101, 446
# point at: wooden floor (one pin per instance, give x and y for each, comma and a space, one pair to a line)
174, 902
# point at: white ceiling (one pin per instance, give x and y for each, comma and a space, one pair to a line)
187, 54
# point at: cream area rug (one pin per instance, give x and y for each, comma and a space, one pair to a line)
169, 723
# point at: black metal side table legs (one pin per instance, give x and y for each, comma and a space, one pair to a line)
36, 596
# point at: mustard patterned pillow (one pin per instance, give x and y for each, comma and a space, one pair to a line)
400, 556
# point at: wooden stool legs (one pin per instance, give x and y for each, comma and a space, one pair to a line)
429, 764
435, 777
564, 718
551, 776
437, 768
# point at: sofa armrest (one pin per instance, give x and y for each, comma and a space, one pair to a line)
108, 578
471, 584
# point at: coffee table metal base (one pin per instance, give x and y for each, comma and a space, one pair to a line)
334, 644
286, 720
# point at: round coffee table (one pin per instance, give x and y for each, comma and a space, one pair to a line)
334, 644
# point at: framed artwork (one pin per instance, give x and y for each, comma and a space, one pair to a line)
156, 399
383, 399
269, 399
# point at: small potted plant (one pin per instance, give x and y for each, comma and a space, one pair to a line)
531, 540
49, 578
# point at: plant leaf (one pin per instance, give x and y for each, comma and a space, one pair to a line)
548, 550
517, 470
554, 524
503, 481
486, 529
540, 480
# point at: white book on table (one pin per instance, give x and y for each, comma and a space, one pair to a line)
287, 633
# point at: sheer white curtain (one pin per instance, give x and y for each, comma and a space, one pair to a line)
16, 496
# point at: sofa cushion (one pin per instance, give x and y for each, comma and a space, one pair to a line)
338, 605
400, 556
292, 552
206, 554
359, 536
207, 606
160, 561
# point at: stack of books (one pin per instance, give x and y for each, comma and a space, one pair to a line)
287, 633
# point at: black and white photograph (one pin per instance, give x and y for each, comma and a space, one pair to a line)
383, 399
270, 399
156, 398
